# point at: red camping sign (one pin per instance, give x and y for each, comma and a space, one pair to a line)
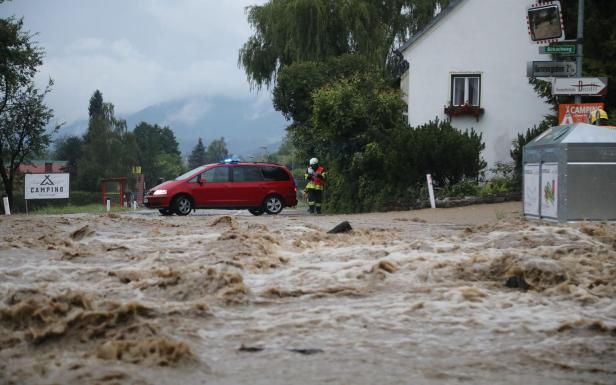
576, 113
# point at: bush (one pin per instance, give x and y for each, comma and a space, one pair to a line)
494, 187
447, 153
517, 150
466, 187
504, 180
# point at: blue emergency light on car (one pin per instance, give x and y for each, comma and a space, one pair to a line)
230, 160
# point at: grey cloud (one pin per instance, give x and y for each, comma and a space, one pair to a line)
138, 53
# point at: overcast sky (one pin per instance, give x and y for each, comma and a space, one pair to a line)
138, 52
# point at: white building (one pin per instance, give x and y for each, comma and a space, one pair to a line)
475, 52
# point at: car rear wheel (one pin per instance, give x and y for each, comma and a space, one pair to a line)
256, 212
182, 205
273, 204
165, 212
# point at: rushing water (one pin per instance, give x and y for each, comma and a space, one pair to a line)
141, 299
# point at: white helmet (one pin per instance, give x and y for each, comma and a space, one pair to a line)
314, 161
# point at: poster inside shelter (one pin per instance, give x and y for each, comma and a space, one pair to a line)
531, 189
549, 190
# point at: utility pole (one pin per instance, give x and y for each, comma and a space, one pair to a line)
580, 44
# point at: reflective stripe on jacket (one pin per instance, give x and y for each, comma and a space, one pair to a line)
315, 178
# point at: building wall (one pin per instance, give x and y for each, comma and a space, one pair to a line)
479, 36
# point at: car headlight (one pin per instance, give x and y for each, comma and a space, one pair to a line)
160, 192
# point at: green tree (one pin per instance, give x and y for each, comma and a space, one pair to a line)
216, 151
70, 149
198, 156
96, 104
168, 142
109, 150
599, 41
335, 74
288, 31
373, 156
158, 152
167, 166
287, 154
23, 113
517, 150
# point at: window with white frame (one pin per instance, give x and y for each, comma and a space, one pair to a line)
466, 89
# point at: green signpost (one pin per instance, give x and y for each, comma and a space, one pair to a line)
558, 49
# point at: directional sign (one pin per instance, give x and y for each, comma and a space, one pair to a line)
546, 69
579, 86
558, 49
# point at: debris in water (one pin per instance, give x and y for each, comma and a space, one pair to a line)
517, 282
41, 317
154, 350
250, 349
257, 349
82, 233
225, 220
386, 265
342, 227
306, 352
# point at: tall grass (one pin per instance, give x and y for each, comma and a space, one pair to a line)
71, 209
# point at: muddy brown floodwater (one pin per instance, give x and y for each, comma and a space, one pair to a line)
474, 295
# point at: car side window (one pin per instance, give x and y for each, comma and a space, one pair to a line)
271, 173
247, 174
217, 174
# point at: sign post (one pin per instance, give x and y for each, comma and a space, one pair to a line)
579, 86
7, 209
579, 58
546, 69
431, 191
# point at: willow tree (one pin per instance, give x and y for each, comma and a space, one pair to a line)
288, 31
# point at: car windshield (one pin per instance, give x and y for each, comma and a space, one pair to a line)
191, 172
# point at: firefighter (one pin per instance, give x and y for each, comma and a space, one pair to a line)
598, 117
315, 175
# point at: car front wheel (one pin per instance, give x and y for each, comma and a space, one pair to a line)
182, 205
273, 204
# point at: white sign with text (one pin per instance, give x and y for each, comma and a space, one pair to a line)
46, 186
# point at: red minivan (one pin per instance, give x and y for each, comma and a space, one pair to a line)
258, 187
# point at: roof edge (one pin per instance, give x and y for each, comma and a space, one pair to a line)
454, 4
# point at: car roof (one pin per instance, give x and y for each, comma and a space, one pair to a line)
249, 164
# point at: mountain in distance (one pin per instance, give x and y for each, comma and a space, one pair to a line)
251, 127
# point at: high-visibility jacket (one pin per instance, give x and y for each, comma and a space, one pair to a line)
315, 178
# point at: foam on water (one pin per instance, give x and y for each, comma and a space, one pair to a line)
392, 301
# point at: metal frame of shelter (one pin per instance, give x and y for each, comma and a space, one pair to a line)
570, 174
122, 188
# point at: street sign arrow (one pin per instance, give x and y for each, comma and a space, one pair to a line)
546, 69
579, 86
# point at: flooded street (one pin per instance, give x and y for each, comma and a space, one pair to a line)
473, 295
